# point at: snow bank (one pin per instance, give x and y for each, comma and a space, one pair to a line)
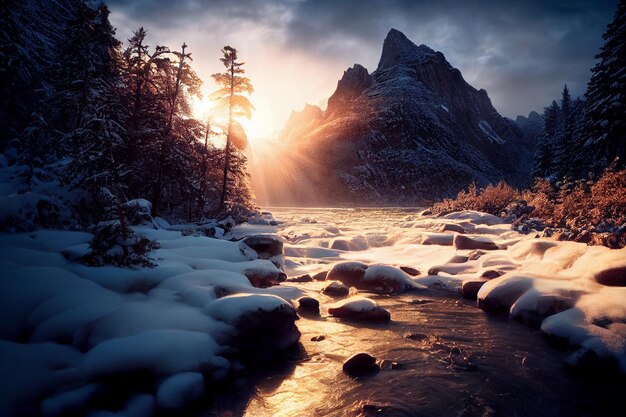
70, 331
180, 390
161, 352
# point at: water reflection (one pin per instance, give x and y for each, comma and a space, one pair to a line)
515, 372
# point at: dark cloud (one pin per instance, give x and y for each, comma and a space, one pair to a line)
521, 52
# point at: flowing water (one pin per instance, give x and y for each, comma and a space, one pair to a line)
451, 358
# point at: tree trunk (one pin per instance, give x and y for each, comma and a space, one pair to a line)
228, 137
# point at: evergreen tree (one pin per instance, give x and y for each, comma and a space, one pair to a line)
578, 166
230, 99
544, 154
605, 129
90, 111
562, 142
178, 83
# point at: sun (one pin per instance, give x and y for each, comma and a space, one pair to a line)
259, 127
201, 108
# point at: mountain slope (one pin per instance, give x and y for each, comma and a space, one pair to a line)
411, 132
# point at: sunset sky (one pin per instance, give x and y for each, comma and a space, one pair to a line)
521, 52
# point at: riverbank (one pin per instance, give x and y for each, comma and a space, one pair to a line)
187, 327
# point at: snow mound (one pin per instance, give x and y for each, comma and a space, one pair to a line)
475, 217
231, 308
161, 352
180, 390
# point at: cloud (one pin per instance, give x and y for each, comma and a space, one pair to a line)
521, 52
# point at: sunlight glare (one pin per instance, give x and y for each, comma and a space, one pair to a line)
259, 127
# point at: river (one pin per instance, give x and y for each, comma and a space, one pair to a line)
450, 358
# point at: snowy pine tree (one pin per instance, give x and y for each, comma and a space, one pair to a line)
230, 100
545, 148
91, 113
605, 129
564, 131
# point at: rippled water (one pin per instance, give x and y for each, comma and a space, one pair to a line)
457, 362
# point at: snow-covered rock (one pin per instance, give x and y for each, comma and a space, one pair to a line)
349, 273
335, 289
386, 279
264, 325
500, 294
358, 308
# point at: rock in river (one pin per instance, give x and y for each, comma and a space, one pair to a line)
360, 364
309, 306
350, 273
335, 289
359, 308
464, 242
470, 288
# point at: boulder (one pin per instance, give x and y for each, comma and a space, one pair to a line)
179, 391
533, 307
308, 306
475, 254
335, 289
458, 259
361, 364
264, 326
614, 277
410, 270
470, 288
340, 244
452, 227
385, 279
359, 308
491, 273
263, 278
464, 242
320, 276
266, 246
350, 273
301, 278
500, 294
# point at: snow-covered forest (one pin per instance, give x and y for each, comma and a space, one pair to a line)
90, 124
139, 277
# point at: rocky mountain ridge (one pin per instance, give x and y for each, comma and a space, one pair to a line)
410, 132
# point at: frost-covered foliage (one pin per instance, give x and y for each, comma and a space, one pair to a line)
115, 243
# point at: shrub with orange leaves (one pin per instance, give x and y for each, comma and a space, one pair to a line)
595, 212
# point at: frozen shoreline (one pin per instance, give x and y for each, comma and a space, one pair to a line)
69, 328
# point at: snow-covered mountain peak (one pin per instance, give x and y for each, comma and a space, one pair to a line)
398, 49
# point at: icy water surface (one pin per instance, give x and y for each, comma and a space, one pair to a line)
452, 358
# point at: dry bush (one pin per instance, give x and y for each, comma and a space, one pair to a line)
595, 212
495, 198
492, 199
608, 198
542, 198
